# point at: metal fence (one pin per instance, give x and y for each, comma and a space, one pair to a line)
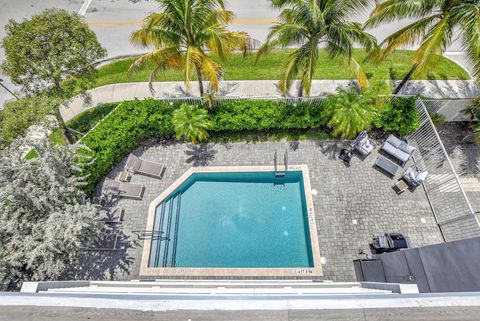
450, 109
450, 205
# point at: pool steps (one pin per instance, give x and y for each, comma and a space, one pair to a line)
164, 247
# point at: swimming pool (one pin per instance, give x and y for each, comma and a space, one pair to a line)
232, 220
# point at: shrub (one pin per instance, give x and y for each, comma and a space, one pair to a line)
191, 123
350, 112
400, 116
19, 115
473, 111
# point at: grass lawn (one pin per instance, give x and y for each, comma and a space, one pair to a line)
85, 121
239, 68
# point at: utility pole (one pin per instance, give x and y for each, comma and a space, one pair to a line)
11, 92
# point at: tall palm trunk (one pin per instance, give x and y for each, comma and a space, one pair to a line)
300, 89
200, 83
405, 79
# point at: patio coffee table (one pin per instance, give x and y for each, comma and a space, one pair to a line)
400, 186
387, 165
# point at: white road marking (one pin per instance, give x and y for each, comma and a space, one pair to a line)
84, 7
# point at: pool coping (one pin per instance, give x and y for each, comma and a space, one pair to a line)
316, 270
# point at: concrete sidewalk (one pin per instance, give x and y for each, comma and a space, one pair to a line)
436, 89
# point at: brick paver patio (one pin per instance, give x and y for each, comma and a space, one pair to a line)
352, 204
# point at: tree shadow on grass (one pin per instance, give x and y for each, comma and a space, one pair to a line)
201, 154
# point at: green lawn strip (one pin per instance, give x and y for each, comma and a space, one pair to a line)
239, 68
85, 121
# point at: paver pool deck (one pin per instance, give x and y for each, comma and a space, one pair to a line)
352, 203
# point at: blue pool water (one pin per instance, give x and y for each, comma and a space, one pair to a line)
227, 220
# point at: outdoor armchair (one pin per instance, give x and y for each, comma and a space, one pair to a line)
363, 144
413, 177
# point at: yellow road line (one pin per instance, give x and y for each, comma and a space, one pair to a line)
240, 21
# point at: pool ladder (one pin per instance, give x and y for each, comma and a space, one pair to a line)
163, 249
285, 163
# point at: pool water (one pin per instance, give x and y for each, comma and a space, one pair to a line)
233, 220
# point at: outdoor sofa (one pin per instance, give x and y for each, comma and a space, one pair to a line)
121, 189
398, 148
141, 166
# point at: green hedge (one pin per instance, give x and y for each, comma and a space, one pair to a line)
134, 121
400, 116
265, 115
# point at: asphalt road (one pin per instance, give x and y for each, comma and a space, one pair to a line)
114, 20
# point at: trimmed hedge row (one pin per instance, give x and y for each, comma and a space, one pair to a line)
267, 114
134, 121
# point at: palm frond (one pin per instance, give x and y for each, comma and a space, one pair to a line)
393, 10
432, 49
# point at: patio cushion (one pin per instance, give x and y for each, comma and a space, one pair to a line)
406, 148
366, 148
411, 175
397, 153
421, 177
394, 141
362, 142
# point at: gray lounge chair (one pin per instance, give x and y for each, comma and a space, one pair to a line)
141, 166
120, 189
398, 148
362, 144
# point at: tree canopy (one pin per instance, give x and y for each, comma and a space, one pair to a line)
307, 25
435, 26
180, 35
49, 48
45, 218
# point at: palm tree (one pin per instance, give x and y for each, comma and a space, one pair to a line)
350, 112
191, 123
180, 35
433, 29
313, 23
